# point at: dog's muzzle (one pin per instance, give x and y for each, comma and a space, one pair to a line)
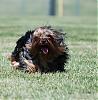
44, 45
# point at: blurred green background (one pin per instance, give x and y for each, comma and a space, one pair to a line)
41, 7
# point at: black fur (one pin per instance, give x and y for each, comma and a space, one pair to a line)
56, 64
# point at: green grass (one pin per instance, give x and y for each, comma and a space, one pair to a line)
79, 82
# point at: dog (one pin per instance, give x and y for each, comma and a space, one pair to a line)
47, 51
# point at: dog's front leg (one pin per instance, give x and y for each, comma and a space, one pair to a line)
31, 68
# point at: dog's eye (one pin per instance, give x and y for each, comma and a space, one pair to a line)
48, 35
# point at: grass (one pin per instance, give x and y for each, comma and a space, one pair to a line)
79, 82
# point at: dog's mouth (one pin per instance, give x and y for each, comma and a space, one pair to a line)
45, 49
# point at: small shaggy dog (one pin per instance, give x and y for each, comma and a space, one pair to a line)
42, 50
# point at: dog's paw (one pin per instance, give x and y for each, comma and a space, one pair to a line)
31, 68
15, 64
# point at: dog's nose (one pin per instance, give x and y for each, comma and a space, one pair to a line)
43, 40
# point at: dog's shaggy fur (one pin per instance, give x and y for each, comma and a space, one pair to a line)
46, 53
49, 49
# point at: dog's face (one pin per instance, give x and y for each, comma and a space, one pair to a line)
43, 41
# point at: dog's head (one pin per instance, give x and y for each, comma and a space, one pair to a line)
45, 42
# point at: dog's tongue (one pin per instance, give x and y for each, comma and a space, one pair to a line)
45, 50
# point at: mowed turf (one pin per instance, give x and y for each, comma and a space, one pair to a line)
79, 82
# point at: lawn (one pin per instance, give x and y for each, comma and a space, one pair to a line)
79, 82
